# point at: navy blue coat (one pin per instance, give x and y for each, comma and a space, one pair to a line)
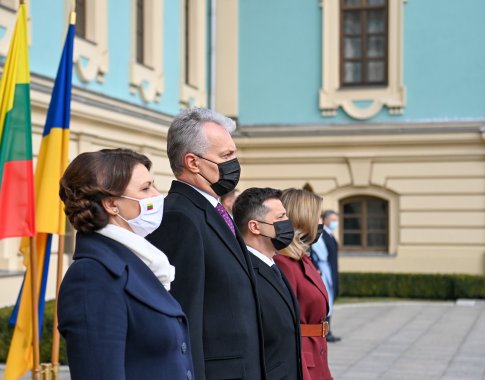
332, 247
215, 284
118, 320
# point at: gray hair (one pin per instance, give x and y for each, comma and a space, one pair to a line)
186, 134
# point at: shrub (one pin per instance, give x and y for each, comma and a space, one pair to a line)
411, 285
6, 333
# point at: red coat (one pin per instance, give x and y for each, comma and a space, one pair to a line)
313, 299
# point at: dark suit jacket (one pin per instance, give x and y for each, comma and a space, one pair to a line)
332, 248
118, 320
313, 300
281, 324
214, 283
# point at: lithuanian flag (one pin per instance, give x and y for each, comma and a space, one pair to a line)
50, 217
17, 213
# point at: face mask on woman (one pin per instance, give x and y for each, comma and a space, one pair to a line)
150, 217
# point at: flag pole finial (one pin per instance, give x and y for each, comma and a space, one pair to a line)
72, 15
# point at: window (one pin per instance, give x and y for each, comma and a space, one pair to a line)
139, 32
187, 28
193, 58
365, 222
91, 58
81, 19
363, 41
367, 74
146, 64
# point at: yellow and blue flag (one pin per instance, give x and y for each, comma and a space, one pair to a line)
50, 217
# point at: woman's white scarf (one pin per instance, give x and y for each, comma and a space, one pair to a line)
155, 259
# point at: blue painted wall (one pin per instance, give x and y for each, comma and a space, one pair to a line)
48, 34
280, 62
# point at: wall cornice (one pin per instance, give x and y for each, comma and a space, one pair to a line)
102, 108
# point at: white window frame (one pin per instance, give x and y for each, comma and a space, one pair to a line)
195, 94
333, 95
147, 79
91, 55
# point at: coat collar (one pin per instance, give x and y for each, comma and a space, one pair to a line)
141, 283
214, 220
312, 274
267, 274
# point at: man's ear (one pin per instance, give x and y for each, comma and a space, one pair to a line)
253, 227
109, 204
191, 162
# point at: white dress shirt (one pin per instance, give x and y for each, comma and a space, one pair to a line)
259, 255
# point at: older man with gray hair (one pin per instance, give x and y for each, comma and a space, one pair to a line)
214, 281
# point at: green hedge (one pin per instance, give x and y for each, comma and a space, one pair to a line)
46, 342
410, 285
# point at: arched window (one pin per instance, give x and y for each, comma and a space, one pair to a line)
365, 224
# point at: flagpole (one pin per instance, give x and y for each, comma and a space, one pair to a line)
55, 331
35, 310
60, 267
35, 303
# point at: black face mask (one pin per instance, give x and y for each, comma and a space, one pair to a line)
319, 233
284, 233
229, 173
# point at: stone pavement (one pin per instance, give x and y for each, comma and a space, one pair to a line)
404, 341
409, 340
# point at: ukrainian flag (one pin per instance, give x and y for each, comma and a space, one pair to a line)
50, 217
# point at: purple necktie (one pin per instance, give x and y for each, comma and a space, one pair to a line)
222, 212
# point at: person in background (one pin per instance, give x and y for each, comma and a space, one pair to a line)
261, 218
227, 200
324, 254
303, 209
115, 312
215, 281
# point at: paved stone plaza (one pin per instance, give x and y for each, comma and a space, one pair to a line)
409, 340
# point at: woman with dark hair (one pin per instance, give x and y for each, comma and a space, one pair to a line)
303, 209
115, 312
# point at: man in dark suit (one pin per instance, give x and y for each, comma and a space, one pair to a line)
214, 279
261, 218
324, 254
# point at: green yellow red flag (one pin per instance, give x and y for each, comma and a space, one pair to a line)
17, 211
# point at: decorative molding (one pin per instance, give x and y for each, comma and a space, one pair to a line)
91, 58
360, 170
147, 79
377, 129
332, 95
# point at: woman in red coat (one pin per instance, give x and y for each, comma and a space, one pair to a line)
303, 209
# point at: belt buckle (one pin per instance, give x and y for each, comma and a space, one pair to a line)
325, 328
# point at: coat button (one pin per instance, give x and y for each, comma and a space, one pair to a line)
184, 348
189, 375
